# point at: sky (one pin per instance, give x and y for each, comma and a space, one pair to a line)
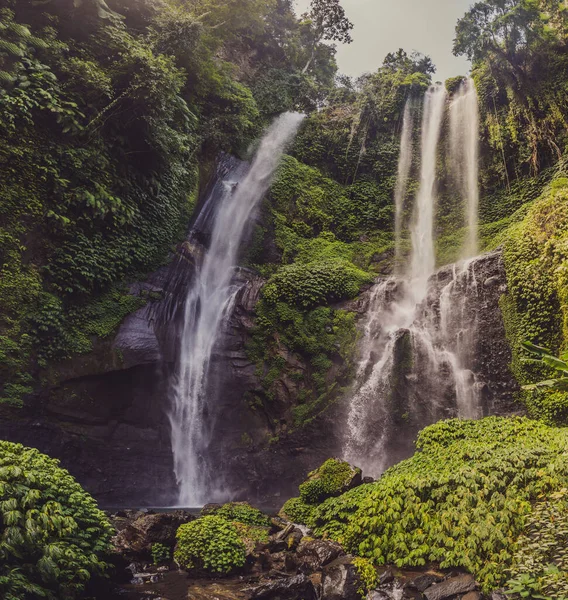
383, 26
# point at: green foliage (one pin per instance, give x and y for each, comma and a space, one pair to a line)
367, 575
252, 534
53, 537
331, 479
313, 284
542, 554
87, 198
558, 364
520, 71
535, 307
242, 512
470, 486
209, 544
104, 120
297, 511
160, 554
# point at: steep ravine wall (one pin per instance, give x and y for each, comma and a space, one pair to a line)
103, 414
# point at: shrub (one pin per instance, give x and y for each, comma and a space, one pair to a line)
543, 548
331, 479
470, 487
252, 534
209, 544
53, 538
242, 512
321, 282
160, 554
297, 511
368, 578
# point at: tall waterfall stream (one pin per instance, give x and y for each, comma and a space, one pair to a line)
209, 302
418, 338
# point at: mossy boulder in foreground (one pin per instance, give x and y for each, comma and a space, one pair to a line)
53, 538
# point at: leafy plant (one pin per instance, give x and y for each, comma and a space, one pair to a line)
368, 576
542, 549
160, 553
558, 364
242, 512
211, 544
297, 511
331, 479
54, 539
525, 586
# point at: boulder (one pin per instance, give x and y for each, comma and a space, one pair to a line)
423, 582
472, 596
340, 580
378, 595
298, 587
137, 537
387, 576
312, 555
453, 586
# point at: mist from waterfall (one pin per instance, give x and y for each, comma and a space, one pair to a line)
464, 157
419, 334
209, 302
404, 165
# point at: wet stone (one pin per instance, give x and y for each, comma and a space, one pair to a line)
451, 587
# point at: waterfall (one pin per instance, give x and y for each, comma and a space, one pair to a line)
404, 164
419, 338
209, 302
422, 231
464, 159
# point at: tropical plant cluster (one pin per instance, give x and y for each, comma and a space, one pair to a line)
53, 538
217, 542
470, 497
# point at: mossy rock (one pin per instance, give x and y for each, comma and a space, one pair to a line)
333, 478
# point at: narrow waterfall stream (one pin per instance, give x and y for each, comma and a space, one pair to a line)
404, 166
420, 330
464, 156
209, 301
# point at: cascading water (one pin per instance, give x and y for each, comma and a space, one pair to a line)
419, 335
404, 165
422, 231
209, 302
464, 158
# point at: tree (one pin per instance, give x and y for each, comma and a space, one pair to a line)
328, 22
510, 30
415, 63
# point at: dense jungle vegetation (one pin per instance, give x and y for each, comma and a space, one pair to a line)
111, 117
